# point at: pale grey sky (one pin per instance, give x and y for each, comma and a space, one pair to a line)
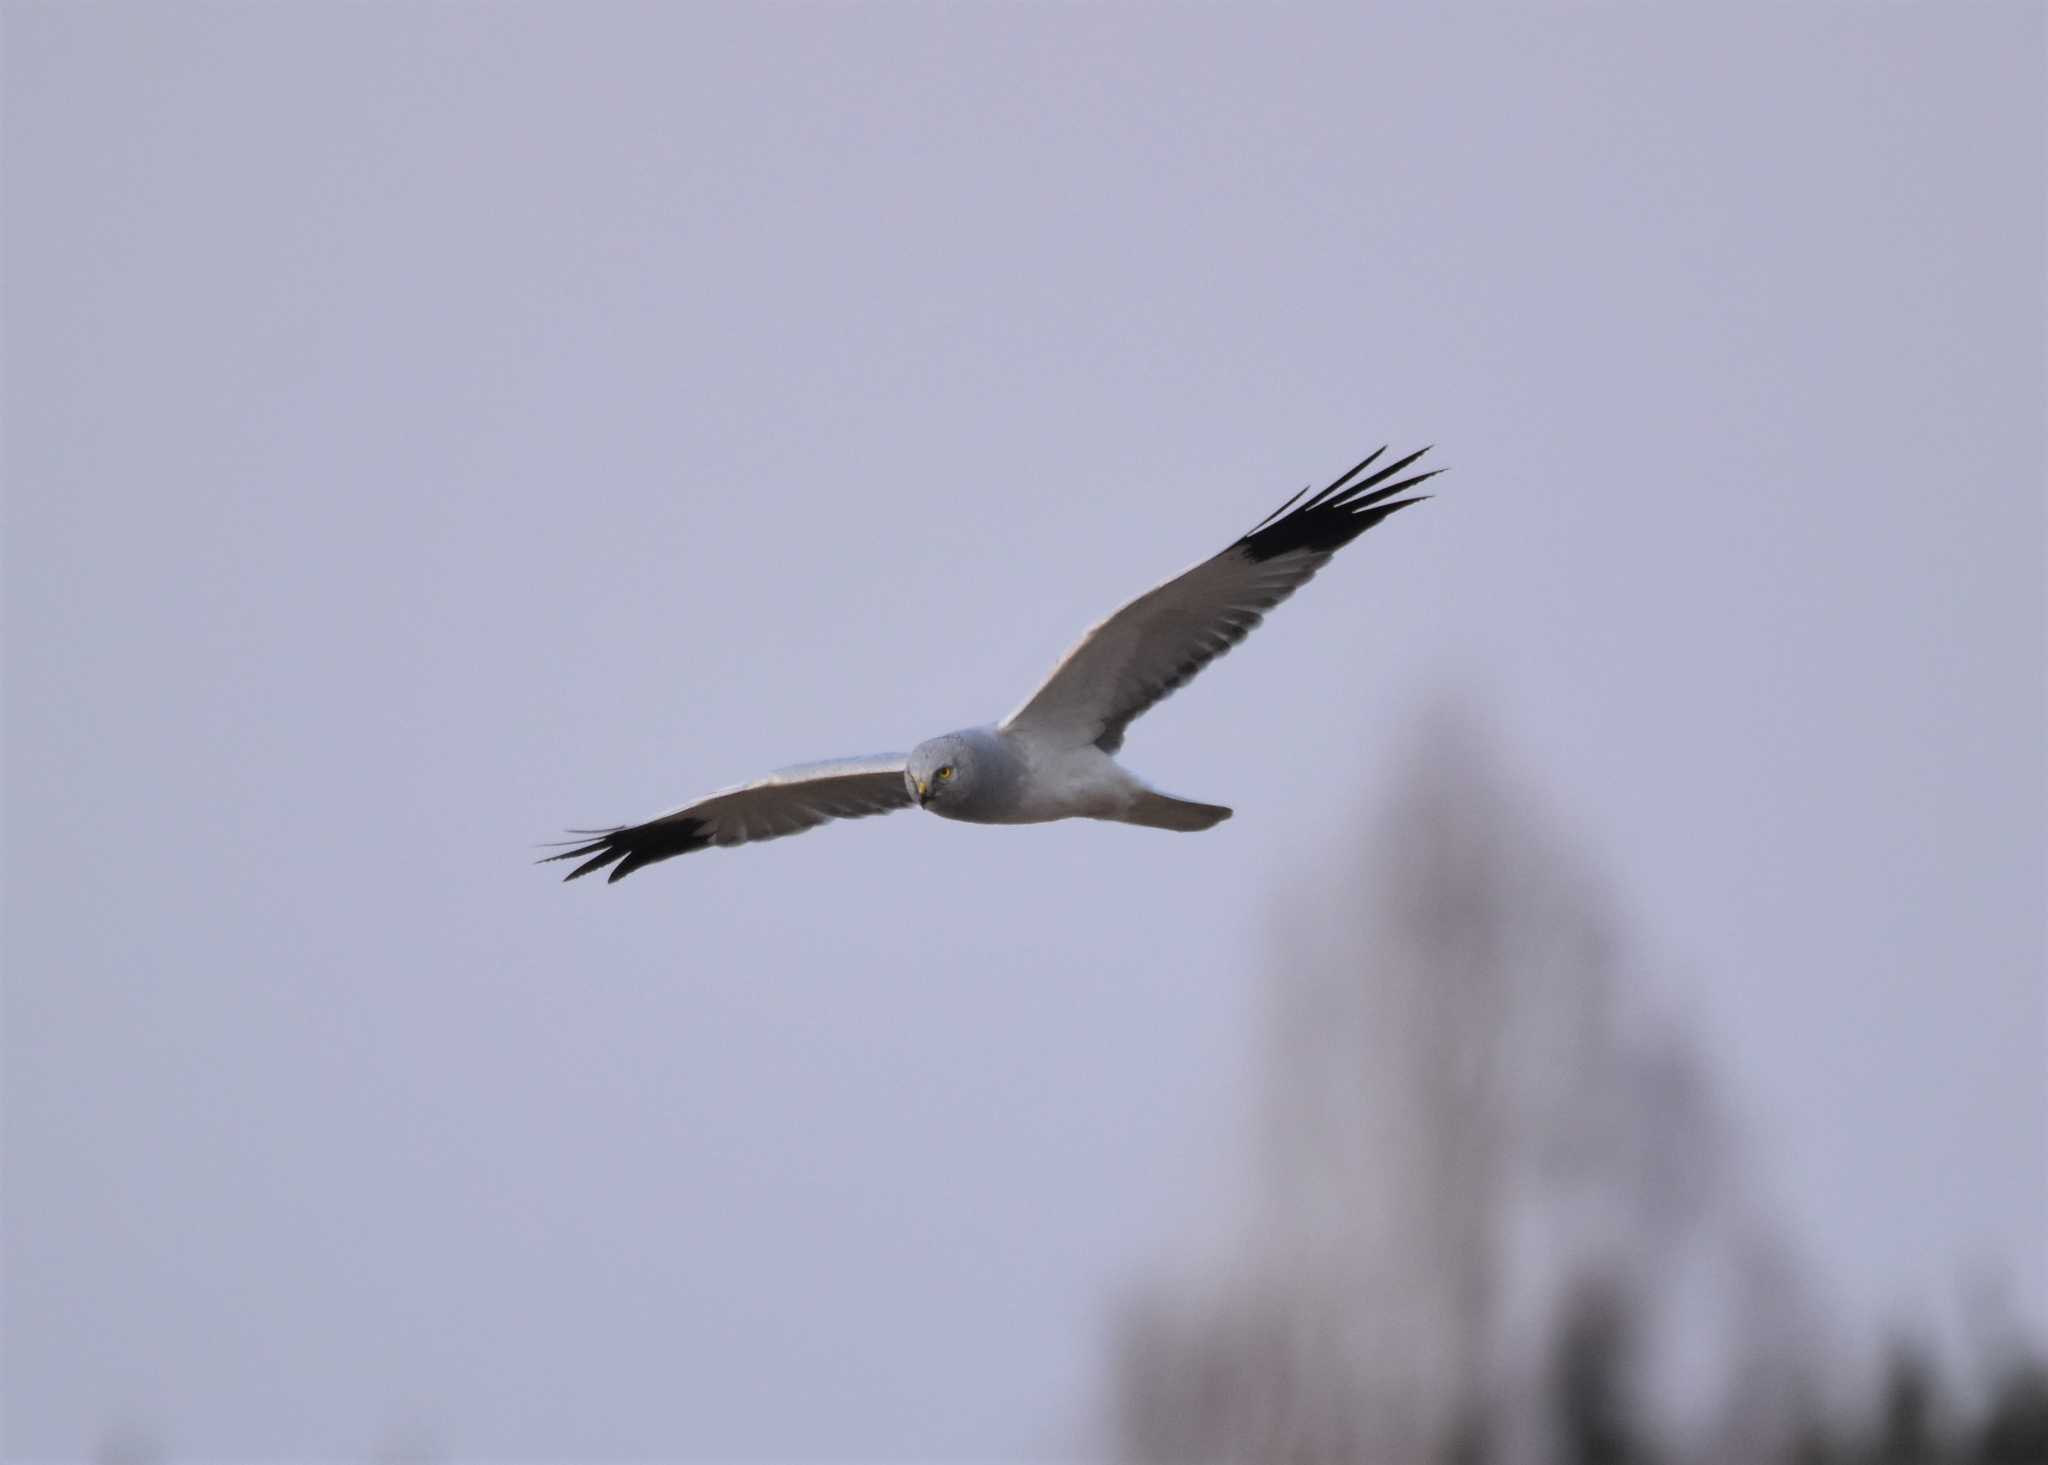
428, 426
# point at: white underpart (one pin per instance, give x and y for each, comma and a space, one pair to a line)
1074, 783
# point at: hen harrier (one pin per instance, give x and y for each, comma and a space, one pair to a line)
1052, 757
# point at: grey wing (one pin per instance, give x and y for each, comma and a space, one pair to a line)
1159, 641
787, 801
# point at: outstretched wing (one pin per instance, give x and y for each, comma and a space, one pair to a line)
1159, 641
788, 801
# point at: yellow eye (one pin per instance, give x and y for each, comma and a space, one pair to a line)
946, 774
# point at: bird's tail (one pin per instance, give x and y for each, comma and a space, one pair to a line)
1155, 810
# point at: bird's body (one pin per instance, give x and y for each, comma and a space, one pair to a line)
1055, 756
1002, 777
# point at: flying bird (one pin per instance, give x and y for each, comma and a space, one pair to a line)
1055, 756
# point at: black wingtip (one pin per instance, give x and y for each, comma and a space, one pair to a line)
631, 847
1381, 511
1337, 515
595, 853
1335, 484
596, 862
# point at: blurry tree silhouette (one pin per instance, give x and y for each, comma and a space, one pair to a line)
1597, 1415
2015, 1426
1909, 1409
1482, 1172
1909, 1422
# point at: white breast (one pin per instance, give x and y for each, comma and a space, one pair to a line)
1074, 783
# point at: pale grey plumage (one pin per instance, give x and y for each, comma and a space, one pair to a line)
1051, 758
990, 781
1153, 646
787, 801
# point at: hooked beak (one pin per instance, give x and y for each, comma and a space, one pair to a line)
923, 793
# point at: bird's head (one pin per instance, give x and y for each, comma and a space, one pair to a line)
939, 769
